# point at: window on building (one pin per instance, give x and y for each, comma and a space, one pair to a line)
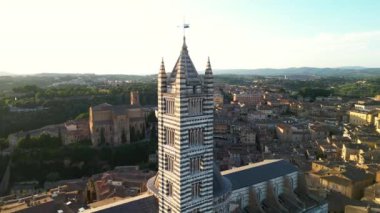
170, 136
196, 190
169, 106
169, 163
196, 137
292, 183
169, 189
195, 106
275, 189
258, 195
195, 210
195, 164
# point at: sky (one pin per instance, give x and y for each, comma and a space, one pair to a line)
131, 36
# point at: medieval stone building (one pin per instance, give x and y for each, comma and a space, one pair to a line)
120, 124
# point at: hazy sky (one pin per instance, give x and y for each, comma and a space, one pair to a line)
131, 36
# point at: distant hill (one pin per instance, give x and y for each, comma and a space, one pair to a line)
322, 72
346, 71
3, 73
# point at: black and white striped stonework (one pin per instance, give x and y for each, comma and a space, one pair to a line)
181, 188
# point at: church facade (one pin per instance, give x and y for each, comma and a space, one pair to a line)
115, 125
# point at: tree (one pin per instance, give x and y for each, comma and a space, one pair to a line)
132, 134
151, 117
84, 115
227, 97
123, 137
153, 136
142, 134
102, 137
53, 176
4, 144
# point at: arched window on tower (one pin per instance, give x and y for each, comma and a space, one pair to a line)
195, 106
169, 136
169, 106
195, 137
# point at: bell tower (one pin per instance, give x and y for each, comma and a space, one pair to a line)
185, 137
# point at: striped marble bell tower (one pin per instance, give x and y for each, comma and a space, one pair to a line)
185, 141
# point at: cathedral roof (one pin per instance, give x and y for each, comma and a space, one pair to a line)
144, 203
221, 185
258, 172
185, 65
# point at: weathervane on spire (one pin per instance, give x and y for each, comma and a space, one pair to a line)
184, 26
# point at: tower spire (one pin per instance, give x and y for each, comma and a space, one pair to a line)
162, 78
162, 67
184, 46
208, 78
208, 66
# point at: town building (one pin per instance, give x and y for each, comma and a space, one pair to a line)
377, 122
372, 194
218, 99
354, 152
248, 136
344, 178
120, 124
289, 133
75, 131
362, 117
364, 112
123, 181
251, 98
372, 141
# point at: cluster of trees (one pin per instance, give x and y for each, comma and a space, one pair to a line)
58, 111
4, 144
3, 106
53, 161
32, 95
312, 93
44, 141
4, 160
227, 97
339, 86
7, 83
237, 79
63, 109
357, 89
136, 135
364, 88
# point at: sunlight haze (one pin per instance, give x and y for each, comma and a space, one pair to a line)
130, 37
